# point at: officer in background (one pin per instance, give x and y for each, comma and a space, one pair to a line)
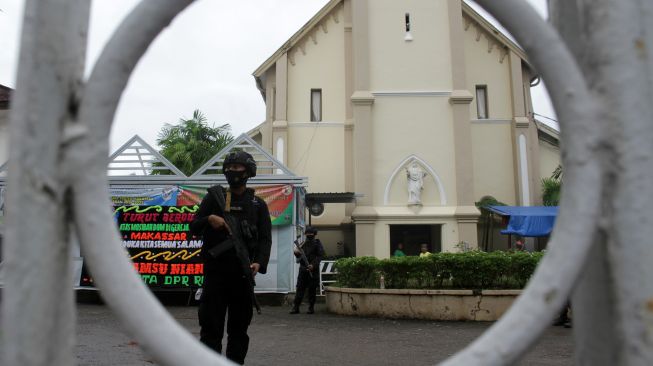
225, 289
309, 270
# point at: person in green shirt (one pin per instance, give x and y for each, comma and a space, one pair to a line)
399, 252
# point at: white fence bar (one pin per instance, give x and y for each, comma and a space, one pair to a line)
38, 312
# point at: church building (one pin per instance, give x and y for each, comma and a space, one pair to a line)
403, 114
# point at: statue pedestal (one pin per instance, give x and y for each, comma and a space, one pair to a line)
415, 207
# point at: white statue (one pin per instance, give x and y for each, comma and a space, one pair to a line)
415, 176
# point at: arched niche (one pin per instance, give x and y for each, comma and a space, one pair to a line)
396, 192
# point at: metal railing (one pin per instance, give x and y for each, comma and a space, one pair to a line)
328, 274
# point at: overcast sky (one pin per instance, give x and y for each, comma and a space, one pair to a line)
204, 60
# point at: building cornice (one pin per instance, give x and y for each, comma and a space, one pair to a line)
461, 97
494, 32
299, 35
521, 122
411, 93
488, 121
324, 12
316, 124
362, 97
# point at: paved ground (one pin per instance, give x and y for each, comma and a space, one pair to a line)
320, 339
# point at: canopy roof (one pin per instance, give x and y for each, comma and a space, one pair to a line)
132, 164
527, 220
139, 158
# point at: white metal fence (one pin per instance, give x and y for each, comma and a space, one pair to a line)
597, 66
328, 274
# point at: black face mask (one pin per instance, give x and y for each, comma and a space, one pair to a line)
236, 178
310, 237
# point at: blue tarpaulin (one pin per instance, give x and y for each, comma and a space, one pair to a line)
528, 220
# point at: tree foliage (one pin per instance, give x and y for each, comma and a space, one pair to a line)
551, 187
192, 142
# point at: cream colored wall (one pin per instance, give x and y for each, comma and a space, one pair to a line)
316, 150
424, 63
322, 67
485, 68
493, 162
549, 159
413, 125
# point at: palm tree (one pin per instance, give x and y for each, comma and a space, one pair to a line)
192, 142
551, 187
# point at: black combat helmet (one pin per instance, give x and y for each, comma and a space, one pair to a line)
241, 157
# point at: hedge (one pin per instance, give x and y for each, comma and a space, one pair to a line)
468, 270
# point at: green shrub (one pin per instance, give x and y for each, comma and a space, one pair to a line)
469, 270
358, 272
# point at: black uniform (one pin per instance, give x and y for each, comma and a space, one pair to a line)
225, 287
309, 279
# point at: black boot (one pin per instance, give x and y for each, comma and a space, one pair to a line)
295, 309
311, 310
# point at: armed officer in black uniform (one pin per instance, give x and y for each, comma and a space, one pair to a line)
225, 282
309, 269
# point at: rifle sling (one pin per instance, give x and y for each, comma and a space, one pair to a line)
241, 251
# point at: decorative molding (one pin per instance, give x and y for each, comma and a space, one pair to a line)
468, 23
502, 55
521, 122
479, 32
302, 47
362, 98
316, 124
480, 22
312, 25
467, 214
523, 171
324, 27
314, 37
487, 121
336, 19
276, 125
490, 44
461, 97
409, 160
411, 93
409, 218
291, 57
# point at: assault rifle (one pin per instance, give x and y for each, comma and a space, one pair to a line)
302, 256
235, 237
